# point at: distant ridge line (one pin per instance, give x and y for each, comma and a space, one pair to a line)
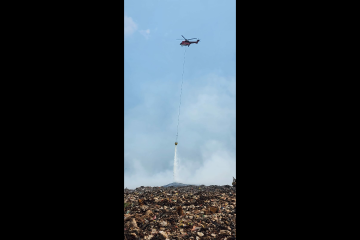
176, 184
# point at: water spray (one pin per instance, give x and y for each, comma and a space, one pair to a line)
175, 165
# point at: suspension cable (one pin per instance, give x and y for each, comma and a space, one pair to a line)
182, 79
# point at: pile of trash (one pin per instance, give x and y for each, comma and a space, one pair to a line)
185, 212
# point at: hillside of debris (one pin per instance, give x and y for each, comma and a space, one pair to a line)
187, 212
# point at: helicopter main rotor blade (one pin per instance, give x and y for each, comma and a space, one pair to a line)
191, 38
183, 37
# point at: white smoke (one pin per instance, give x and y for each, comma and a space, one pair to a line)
176, 167
208, 150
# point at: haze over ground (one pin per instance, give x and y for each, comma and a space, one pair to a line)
153, 69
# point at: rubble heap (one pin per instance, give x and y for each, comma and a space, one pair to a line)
189, 212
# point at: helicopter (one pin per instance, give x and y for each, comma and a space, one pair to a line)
187, 42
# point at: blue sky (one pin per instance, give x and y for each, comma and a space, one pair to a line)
153, 62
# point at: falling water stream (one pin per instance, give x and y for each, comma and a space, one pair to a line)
176, 163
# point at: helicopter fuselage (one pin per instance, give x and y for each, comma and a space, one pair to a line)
187, 43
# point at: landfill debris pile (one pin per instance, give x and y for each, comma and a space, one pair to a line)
187, 212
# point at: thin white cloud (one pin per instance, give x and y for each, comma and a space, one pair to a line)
167, 33
145, 33
206, 150
129, 26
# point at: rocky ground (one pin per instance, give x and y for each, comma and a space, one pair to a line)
184, 212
